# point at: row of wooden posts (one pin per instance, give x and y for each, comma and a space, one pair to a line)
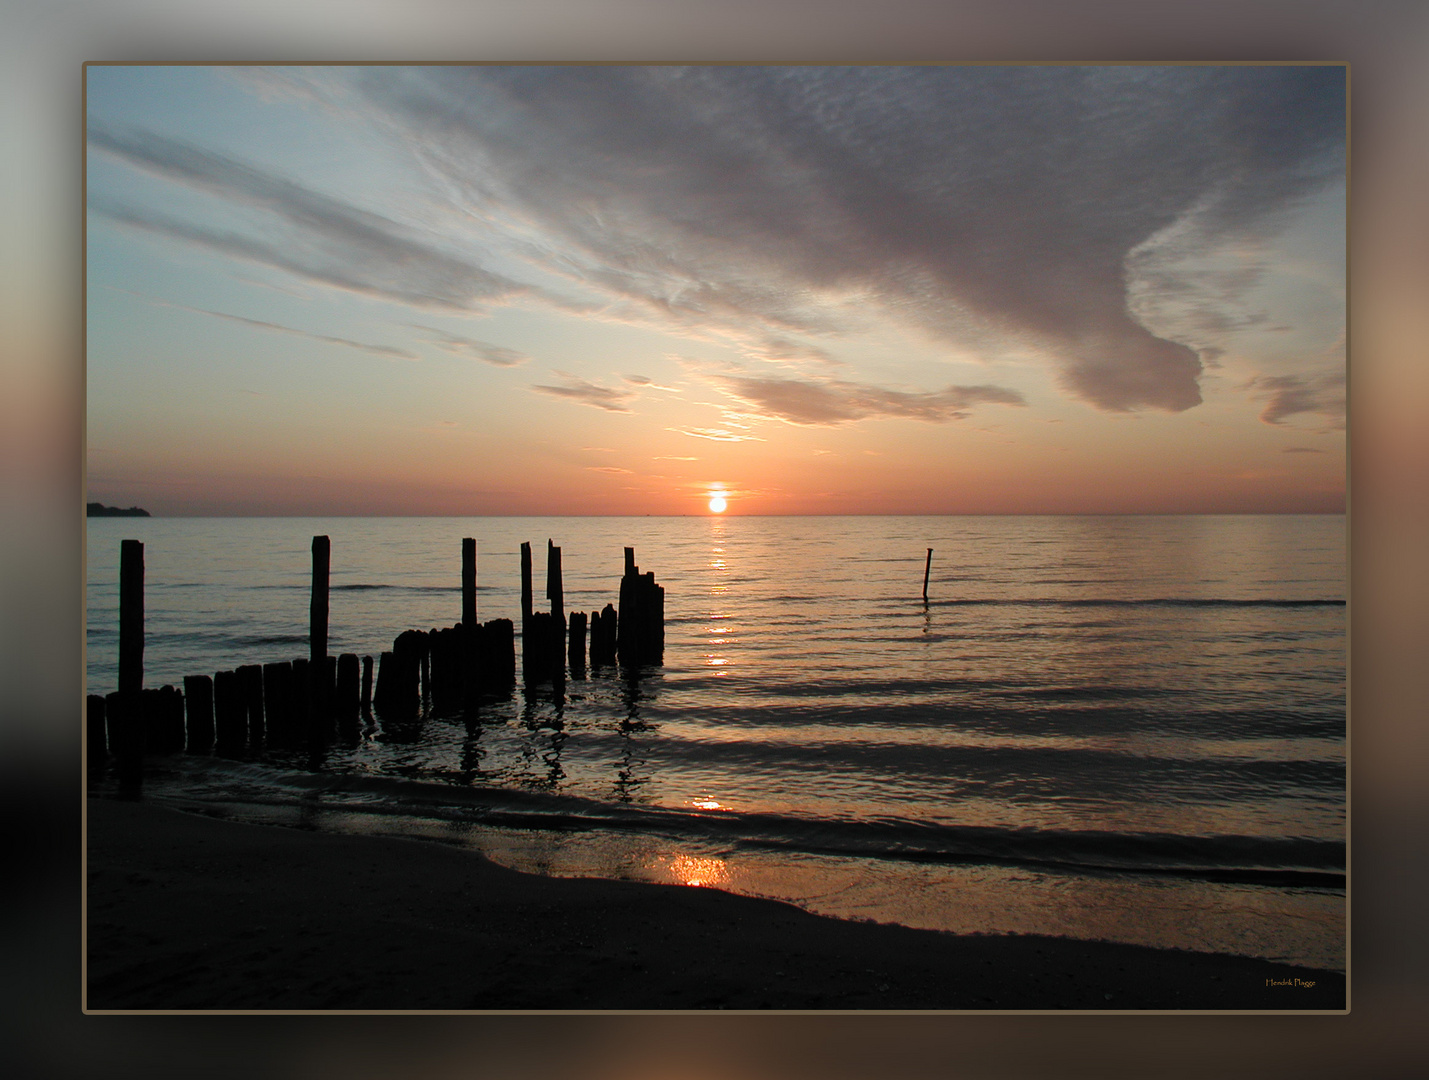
304, 702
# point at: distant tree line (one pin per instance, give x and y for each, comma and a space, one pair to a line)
100, 510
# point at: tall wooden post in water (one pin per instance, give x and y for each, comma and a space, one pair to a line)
317, 637
468, 584
129, 723
131, 616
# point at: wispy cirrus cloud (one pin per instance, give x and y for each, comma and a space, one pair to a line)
835, 401
645, 381
386, 351
310, 235
717, 434
471, 348
574, 388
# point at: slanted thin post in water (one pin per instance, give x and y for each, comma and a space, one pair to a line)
927, 566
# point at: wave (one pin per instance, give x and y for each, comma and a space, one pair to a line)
1274, 861
1097, 602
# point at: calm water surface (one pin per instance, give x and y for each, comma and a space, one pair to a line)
1124, 728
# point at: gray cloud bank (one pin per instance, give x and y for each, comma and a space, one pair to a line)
803, 401
1295, 395
964, 200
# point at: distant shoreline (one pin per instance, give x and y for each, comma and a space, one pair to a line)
95, 509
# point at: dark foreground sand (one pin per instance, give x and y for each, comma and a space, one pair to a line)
188, 912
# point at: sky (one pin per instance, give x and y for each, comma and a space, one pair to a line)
602, 289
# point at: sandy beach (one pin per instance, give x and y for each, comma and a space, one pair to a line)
192, 913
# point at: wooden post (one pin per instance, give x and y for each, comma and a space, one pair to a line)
125, 715
198, 713
230, 717
94, 734
366, 683
299, 688
468, 583
498, 656
926, 568
317, 635
318, 609
131, 616
577, 644
164, 710
627, 645
277, 703
347, 689
555, 592
525, 586
250, 682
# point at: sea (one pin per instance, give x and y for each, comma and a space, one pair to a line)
1118, 728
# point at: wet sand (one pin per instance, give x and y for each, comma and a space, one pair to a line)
191, 913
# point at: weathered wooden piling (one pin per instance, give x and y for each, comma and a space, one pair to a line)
250, 683
468, 583
96, 745
131, 616
318, 703
576, 648
927, 567
278, 703
124, 717
164, 720
398, 692
541, 659
447, 652
348, 700
230, 717
198, 709
641, 630
556, 594
299, 692
125, 712
497, 671
604, 630
366, 683
555, 589
526, 597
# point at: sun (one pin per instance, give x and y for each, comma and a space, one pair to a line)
717, 503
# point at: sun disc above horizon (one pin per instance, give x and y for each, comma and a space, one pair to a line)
717, 503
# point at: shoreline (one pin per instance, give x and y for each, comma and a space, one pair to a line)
186, 912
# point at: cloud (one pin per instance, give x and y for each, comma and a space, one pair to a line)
978, 204
587, 393
313, 236
1294, 395
385, 351
836, 401
1302, 450
471, 349
610, 469
641, 380
717, 434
